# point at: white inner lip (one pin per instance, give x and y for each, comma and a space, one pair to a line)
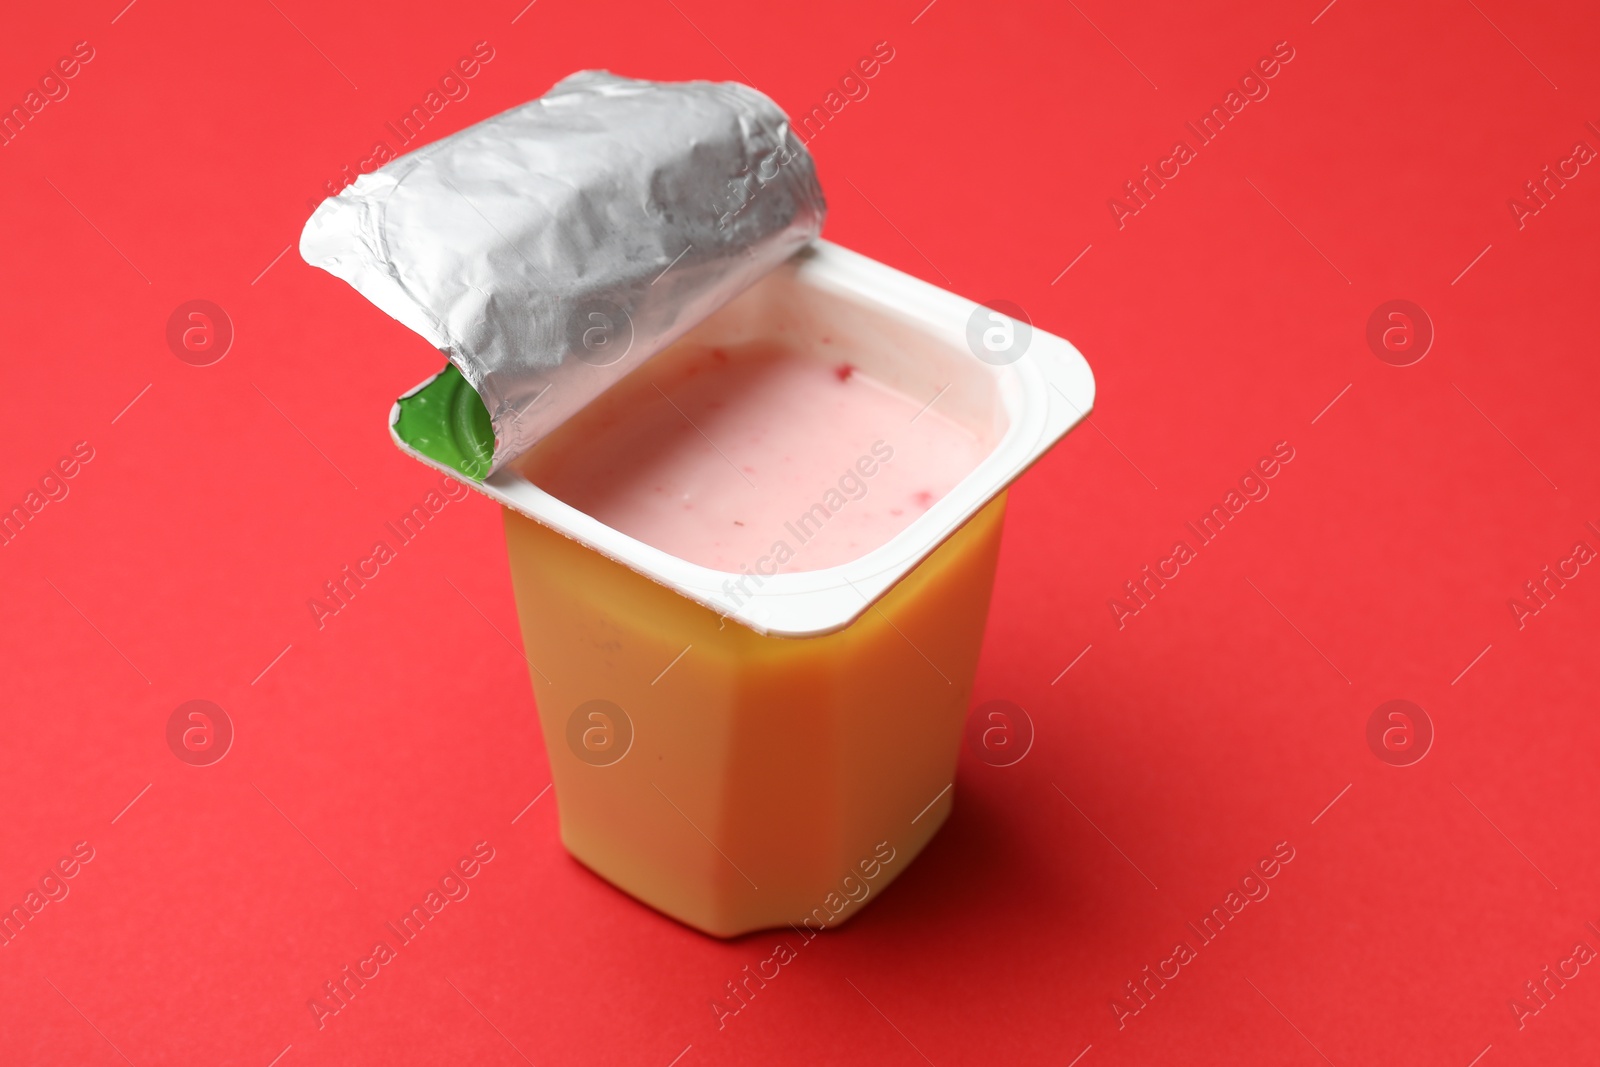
1028, 404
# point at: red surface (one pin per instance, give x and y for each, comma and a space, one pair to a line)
1221, 720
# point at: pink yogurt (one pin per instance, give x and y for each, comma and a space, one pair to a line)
755, 456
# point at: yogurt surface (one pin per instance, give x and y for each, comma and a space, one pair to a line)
756, 456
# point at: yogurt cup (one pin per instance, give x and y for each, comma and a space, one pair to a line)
740, 752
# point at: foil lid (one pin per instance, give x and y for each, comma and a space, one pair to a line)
551, 249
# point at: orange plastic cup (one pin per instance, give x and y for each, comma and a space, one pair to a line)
780, 759
736, 780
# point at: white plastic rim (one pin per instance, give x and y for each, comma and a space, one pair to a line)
1044, 393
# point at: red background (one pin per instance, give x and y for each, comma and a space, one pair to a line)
1222, 719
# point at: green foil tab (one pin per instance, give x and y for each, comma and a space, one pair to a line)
446, 421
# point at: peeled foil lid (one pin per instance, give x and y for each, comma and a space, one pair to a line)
551, 249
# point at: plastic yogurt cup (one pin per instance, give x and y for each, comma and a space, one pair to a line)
752, 652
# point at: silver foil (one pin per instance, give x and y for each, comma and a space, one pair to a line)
549, 250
